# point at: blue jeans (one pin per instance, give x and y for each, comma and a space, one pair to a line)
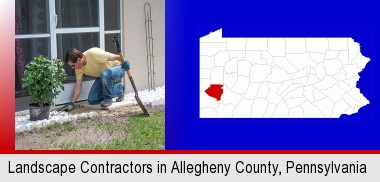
104, 87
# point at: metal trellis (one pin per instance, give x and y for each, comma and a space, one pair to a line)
149, 46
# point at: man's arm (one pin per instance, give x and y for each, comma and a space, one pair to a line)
124, 63
77, 90
113, 57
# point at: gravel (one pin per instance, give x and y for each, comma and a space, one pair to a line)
24, 124
153, 97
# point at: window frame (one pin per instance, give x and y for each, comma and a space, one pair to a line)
54, 31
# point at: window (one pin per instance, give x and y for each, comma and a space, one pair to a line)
51, 27
77, 13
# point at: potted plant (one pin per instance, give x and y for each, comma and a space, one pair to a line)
43, 78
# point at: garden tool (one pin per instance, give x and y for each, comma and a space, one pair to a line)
117, 45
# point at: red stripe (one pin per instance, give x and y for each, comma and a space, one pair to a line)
192, 152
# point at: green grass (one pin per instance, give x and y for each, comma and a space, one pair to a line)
146, 132
142, 133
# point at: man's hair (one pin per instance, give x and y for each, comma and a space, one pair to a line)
72, 55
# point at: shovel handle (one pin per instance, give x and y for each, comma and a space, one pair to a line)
117, 45
116, 42
129, 71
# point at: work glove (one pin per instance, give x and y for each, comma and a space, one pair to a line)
67, 107
125, 65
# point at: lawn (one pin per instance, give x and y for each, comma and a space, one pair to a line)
115, 130
142, 133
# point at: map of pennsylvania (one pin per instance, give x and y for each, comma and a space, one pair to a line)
279, 77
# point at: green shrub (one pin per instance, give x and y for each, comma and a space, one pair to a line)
43, 80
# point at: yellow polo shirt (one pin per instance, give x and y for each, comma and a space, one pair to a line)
96, 63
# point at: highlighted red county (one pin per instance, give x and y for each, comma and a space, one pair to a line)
215, 91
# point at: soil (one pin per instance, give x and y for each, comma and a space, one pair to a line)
109, 125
